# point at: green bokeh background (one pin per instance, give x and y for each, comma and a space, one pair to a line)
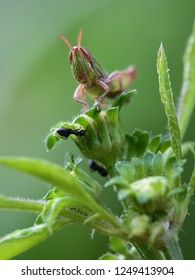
36, 89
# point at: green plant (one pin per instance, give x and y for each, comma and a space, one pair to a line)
145, 171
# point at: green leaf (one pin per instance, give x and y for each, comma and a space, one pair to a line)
52, 137
91, 185
137, 143
168, 102
20, 240
187, 96
164, 145
148, 162
52, 173
119, 246
102, 126
53, 193
173, 168
124, 170
124, 193
55, 175
154, 143
53, 209
50, 141
118, 180
123, 98
187, 146
115, 130
158, 164
137, 167
55, 206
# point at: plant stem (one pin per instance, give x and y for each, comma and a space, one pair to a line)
172, 249
166, 95
147, 253
187, 96
20, 204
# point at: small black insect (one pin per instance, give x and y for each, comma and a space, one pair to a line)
66, 132
94, 166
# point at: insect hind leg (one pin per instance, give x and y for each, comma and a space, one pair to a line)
101, 97
116, 76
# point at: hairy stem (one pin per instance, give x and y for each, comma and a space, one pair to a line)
21, 204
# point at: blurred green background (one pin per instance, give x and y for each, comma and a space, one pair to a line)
36, 91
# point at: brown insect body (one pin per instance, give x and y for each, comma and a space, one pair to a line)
93, 78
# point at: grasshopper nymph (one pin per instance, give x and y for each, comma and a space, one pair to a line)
93, 78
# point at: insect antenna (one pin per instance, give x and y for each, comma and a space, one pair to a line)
79, 39
65, 41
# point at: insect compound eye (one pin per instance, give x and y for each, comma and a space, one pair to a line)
86, 54
70, 57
